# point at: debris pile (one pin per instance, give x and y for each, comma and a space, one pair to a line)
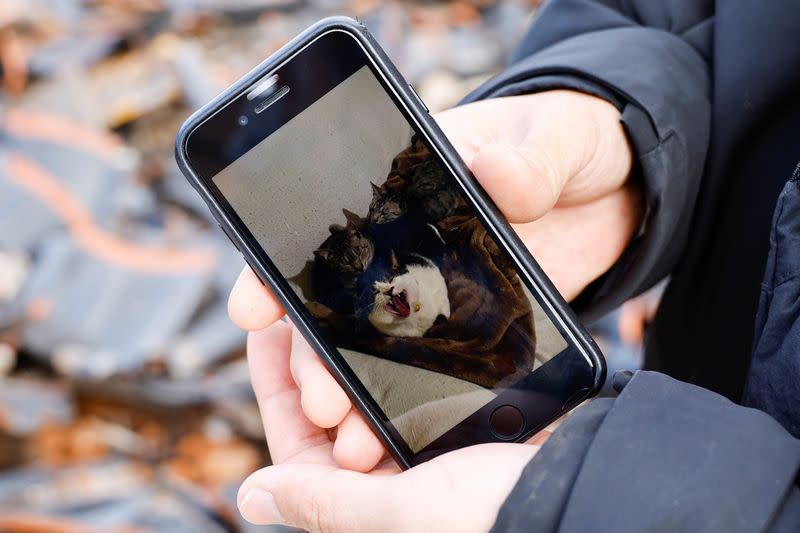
124, 396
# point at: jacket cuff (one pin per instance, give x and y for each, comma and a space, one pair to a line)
661, 86
663, 456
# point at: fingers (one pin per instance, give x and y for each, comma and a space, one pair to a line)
326, 405
290, 435
356, 447
323, 400
317, 498
574, 245
458, 491
294, 421
525, 182
532, 152
251, 305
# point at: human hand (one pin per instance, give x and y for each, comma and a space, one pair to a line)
461, 490
557, 165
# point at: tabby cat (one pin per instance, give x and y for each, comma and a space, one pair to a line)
400, 295
433, 192
387, 205
339, 262
409, 301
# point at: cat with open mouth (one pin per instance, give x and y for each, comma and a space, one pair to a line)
409, 304
419, 281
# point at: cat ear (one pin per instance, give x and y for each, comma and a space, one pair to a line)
322, 253
336, 228
376, 191
353, 219
395, 265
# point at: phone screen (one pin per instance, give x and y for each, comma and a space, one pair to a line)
378, 240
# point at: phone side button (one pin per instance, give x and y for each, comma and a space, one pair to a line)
419, 99
227, 235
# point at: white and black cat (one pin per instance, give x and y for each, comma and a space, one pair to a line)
354, 274
419, 281
484, 333
410, 300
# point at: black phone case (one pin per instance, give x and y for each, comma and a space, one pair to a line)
496, 222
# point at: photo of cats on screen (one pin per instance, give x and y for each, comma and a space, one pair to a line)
377, 241
414, 278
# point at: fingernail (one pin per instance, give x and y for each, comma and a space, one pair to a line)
258, 507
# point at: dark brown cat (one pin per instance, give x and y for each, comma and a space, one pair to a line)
432, 191
417, 186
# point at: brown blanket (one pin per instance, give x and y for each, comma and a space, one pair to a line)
489, 338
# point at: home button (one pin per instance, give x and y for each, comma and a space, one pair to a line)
506, 422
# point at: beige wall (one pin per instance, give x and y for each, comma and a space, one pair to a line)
290, 187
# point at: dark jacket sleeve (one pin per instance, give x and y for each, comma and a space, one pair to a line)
773, 383
663, 456
649, 59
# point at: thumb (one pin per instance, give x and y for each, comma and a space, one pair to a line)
316, 498
524, 181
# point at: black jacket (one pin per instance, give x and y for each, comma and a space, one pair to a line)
710, 98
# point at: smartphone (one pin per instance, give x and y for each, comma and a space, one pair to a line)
325, 170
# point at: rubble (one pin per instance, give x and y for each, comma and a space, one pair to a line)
27, 405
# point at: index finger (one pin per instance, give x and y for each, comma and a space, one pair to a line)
290, 435
251, 305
